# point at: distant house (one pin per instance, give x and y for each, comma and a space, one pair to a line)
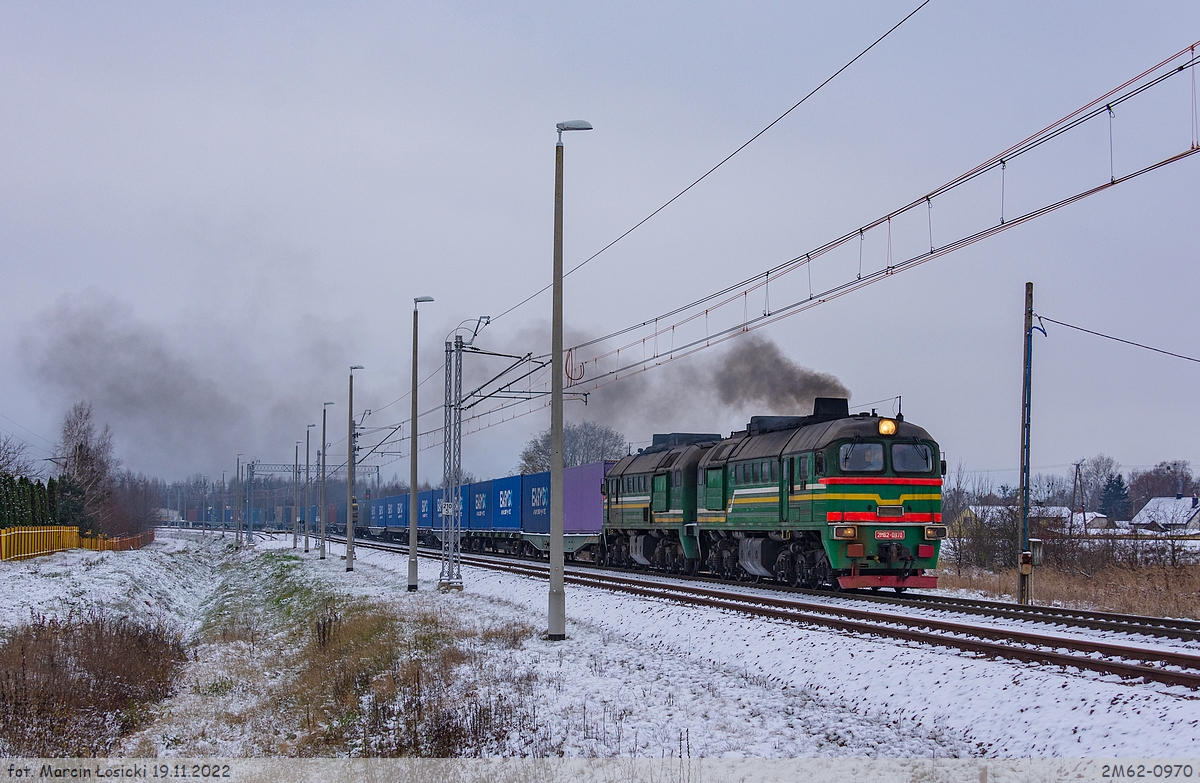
1049, 517
1091, 521
1177, 515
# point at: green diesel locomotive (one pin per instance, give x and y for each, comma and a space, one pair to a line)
829, 500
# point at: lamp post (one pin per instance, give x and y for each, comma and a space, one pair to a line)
412, 460
557, 610
237, 488
350, 449
321, 458
307, 485
296, 499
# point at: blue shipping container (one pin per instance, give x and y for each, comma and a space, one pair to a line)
427, 508
535, 503
396, 511
479, 516
439, 497
506, 503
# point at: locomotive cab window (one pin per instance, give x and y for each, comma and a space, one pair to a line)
861, 457
912, 458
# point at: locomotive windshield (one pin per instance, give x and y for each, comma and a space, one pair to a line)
861, 457
912, 458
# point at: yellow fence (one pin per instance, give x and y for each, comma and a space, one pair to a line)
19, 543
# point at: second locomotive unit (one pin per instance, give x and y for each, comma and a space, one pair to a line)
828, 500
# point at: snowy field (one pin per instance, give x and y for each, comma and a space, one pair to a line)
167, 581
865, 695
636, 676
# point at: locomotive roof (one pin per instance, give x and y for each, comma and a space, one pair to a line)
655, 461
807, 437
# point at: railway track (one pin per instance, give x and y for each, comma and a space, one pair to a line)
1172, 667
1187, 630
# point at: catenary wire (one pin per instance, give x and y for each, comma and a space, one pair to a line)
723, 161
1118, 339
1098, 107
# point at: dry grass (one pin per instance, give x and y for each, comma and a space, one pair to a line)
72, 688
1159, 591
286, 666
376, 685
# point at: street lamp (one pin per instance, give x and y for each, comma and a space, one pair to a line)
307, 485
321, 458
412, 460
557, 614
237, 490
296, 498
350, 448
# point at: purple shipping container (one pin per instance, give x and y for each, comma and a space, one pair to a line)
583, 502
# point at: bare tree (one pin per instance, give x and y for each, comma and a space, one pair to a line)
1096, 472
87, 468
582, 443
955, 501
1165, 479
14, 457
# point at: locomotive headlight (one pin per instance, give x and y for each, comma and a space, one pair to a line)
845, 532
887, 427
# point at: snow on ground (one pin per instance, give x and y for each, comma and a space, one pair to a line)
935, 699
1046, 627
165, 581
635, 676
601, 694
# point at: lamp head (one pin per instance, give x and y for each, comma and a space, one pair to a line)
572, 125
354, 367
329, 403
418, 300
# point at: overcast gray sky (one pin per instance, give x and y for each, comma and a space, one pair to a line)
209, 211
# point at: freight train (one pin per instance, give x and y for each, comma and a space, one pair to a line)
826, 501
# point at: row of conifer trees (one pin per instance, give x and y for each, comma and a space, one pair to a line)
27, 502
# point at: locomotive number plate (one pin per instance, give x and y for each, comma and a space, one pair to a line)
889, 535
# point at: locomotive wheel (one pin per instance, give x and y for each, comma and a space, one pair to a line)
822, 574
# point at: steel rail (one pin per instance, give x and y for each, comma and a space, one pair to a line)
1054, 615
986, 641
1134, 624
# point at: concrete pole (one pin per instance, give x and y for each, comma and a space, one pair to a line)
249, 483
557, 614
321, 512
412, 468
350, 478
1023, 579
237, 512
307, 485
296, 499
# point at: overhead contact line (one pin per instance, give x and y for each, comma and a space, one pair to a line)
723, 161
